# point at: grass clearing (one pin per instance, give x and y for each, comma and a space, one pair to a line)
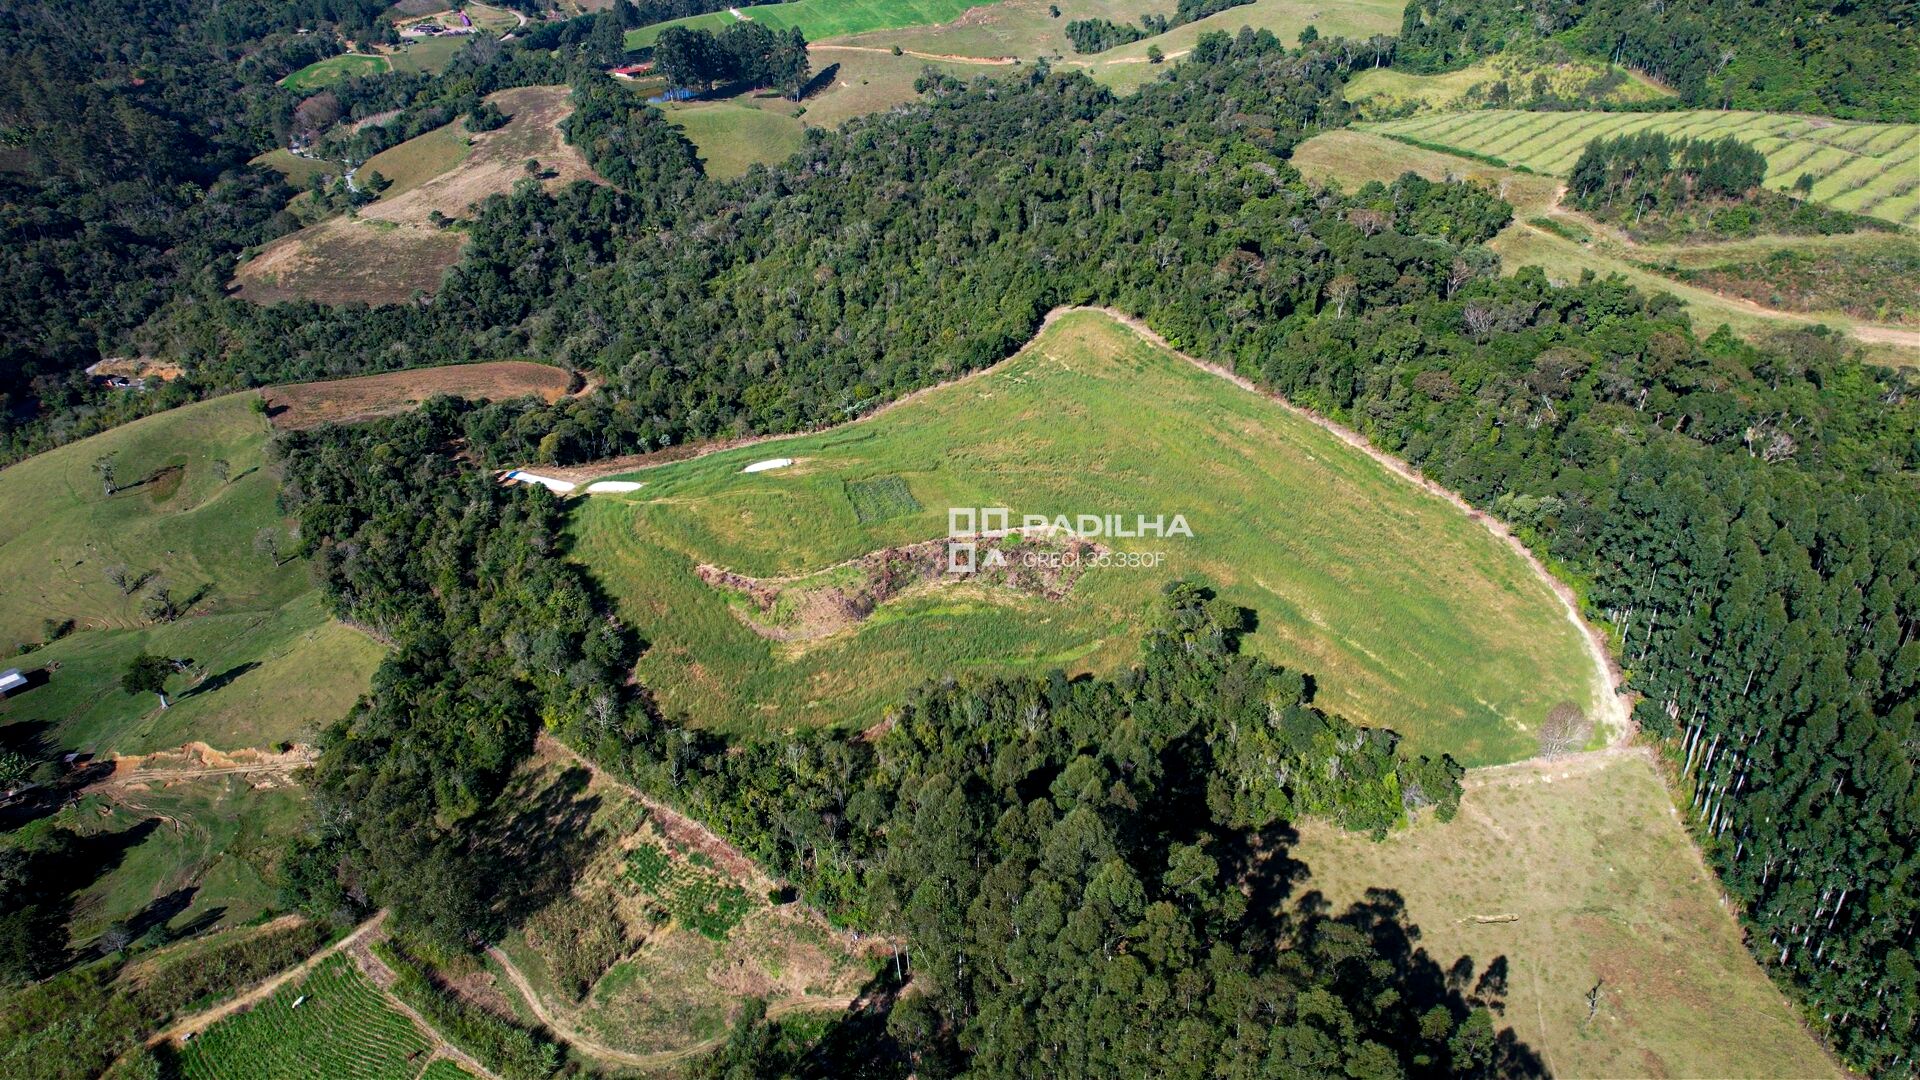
420, 159
1864, 168
340, 401
426, 56
822, 19
1590, 856
1408, 614
267, 663
732, 137
343, 1029
1012, 28
323, 73
296, 169
190, 856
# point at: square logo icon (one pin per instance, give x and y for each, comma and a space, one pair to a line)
962, 521
960, 557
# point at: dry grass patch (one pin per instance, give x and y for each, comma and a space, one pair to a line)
304, 405
1589, 855
390, 251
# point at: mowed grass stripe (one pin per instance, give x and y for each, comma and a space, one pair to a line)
1853, 165
1408, 614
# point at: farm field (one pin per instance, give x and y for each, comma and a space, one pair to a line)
1604, 888
323, 73
334, 401
822, 19
1461, 649
1863, 168
1566, 242
343, 1029
696, 934
1011, 28
390, 250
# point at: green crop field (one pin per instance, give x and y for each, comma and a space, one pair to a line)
1864, 168
344, 1029
1125, 68
822, 19
266, 663
322, 73
1408, 614
428, 56
1377, 90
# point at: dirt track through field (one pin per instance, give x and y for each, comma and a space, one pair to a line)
611, 1056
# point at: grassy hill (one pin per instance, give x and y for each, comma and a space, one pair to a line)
267, 664
1864, 168
1578, 873
1408, 614
322, 73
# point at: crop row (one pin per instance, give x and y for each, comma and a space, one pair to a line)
342, 1029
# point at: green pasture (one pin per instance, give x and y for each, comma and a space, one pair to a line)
324, 73
1408, 614
263, 662
731, 136
822, 19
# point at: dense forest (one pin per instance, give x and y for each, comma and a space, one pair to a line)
1663, 188
1858, 61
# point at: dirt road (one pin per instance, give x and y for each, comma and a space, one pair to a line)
262, 991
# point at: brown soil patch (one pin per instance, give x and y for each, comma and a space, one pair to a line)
304, 405
831, 600
349, 260
138, 367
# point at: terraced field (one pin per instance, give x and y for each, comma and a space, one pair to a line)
1864, 168
332, 1025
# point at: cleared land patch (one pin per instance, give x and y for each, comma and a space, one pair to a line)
335, 401
1126, 67
661, 935
732, 137
391, 250
1376, 91
1869, 169
1407, 613
1605, 888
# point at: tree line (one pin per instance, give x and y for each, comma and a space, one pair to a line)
744, 53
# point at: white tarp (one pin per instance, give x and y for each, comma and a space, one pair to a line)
560, 487
612, 487
770, 463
